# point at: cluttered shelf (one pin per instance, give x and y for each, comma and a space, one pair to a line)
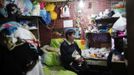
29, 22
28, 17
99, 50
3, 20
106, 20
22, 17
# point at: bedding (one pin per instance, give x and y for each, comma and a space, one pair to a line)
57, 70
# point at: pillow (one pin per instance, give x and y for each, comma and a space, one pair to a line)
51, 59
56, 42
49, 49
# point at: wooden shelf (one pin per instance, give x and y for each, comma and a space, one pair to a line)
4, 20
29, 17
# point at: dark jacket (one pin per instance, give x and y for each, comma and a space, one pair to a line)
15, 62
66, 51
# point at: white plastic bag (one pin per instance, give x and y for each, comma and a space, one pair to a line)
65, 11
36, 10
120, 24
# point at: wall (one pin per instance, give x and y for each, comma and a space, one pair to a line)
91, 7
96, 7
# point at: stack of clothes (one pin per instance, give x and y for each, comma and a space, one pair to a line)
20, 52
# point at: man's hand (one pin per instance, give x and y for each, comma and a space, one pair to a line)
80, 59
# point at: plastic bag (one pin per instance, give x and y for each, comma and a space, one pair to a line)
120, 24
28, 7
46, 18
42, 4
25, 6
36, 10
65, 11
50, 7
53, 15
20, 4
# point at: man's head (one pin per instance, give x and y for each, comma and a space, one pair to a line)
70, 34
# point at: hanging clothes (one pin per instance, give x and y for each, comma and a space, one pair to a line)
25, 6
46, 17
36, 10
14, 35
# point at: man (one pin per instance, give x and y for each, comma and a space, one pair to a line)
71, 58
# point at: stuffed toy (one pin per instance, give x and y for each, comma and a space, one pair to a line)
50, 7
53, 15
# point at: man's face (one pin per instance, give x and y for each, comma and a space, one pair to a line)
71, 37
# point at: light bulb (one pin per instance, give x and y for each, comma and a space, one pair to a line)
81, 4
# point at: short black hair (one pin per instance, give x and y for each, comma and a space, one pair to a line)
69, 32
